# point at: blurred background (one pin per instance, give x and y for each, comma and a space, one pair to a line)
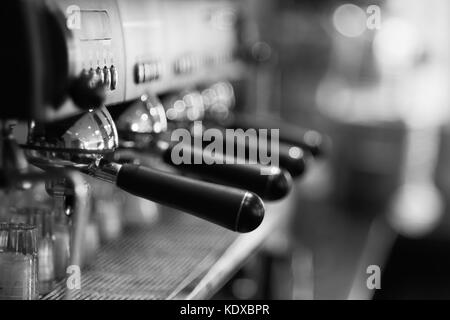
373, 75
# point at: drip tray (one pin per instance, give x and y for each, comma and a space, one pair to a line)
156, 262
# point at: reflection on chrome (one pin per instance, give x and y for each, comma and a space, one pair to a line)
82, 139
146, 115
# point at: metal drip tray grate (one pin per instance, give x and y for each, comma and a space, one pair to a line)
156, 262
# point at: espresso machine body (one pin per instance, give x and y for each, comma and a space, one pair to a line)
62, 51
74, 64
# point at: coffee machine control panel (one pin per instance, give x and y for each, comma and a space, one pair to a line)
99, 43
80, 54
136, 46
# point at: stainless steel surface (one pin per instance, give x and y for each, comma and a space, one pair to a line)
94, 131
180, 257
77, 144
156, 262
85, 139
153, 45
146, 115
271, 230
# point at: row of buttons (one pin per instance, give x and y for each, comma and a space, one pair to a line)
147, 71
188, 64
184, 65
107, 77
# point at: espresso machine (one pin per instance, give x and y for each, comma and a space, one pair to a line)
91, 192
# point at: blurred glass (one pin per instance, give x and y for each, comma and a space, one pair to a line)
91, 243
43, 219
368, 134
19, 262
14, 200
107, 203
139, 212
33, 207
385, 97
61, 237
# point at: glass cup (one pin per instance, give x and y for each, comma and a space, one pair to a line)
106, 210
18, 262
43, 219
91, 243
61, 233
61, 247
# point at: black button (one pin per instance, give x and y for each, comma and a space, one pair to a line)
107, 77
139, 73
100, 76
114, 77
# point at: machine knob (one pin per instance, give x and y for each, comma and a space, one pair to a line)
114, 77
107, 77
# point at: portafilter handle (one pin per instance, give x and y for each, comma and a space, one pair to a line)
269, 182
231, 208
144, 120
309, 140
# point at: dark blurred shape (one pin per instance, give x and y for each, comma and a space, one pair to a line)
86, 93
366, 161
37, 58
416, 269
309, 140
274, 184
442, 173
231, 208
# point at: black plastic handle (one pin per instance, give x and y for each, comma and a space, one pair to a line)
291, 158
234, 209
269, 182
307, 139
